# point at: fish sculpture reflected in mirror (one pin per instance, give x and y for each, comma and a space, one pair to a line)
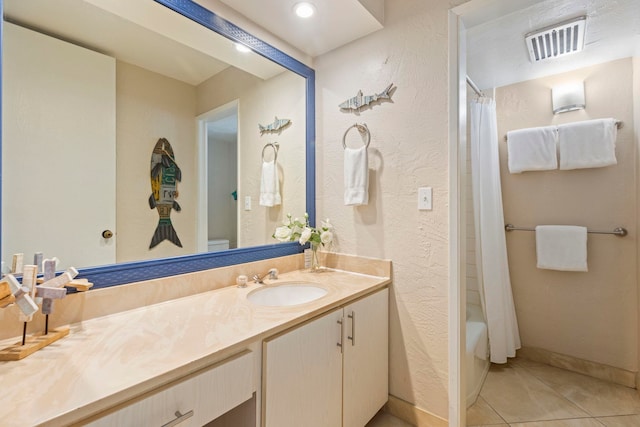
275, 126
360, 101
165, 175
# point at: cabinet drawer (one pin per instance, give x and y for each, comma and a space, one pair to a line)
208, 393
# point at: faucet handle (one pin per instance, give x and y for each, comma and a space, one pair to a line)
273, 274
241, 281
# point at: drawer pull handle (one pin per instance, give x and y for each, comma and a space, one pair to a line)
179, 418
339, 343
352, 316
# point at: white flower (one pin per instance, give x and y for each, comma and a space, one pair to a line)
283, 233
305, 235
294, 230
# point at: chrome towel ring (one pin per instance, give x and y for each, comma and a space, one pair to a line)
275, 147
362, 128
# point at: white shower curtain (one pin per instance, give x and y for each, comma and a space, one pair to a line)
491, 245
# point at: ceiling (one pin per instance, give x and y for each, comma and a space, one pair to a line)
143, 33
336, 22
195, 52
497, 54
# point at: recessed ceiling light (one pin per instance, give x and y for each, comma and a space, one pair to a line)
304, 9
242, 48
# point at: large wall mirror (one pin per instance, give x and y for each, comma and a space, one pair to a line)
90, 87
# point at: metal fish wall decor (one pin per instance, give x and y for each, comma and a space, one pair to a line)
275, 126
165, 175
360, 101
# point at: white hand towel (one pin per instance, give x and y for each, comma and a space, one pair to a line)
532, 149
561, 247
587, 144
270, 185
356, 176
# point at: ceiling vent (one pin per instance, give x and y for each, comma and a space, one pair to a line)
557, 40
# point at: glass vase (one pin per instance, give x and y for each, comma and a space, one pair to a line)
315, 259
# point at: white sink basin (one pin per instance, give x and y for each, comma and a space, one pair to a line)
286, 294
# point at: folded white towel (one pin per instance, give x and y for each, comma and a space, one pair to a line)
561, 247
532, 149
270, 185
587, 144
356, 176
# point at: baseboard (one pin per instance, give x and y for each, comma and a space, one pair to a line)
581, 366
412, 414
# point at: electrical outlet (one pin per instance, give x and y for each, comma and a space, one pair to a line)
425, 199
247, 203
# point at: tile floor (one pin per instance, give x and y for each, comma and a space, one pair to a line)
383, 419
529, 394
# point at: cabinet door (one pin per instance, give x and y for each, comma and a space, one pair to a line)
302, 375
366, 358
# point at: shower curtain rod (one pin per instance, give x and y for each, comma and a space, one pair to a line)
474, 87
618, 231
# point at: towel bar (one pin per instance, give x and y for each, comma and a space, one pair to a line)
618, 231
618, 125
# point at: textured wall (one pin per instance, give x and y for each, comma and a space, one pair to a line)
151, 106
409, 148
592, 315
258, 102
636, 136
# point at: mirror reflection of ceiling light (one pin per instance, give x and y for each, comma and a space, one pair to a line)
242, 48
304, 9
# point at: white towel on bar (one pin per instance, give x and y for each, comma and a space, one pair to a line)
561, 247
270, 185
532, 149
587, 144
356, 176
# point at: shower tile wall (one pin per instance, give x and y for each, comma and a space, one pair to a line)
473, 296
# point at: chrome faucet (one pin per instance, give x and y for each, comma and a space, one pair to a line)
272, 273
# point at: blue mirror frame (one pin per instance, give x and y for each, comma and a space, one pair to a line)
117, 274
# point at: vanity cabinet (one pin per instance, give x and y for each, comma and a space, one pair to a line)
331, 371
193, 401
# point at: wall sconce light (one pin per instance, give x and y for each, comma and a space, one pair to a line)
568, 97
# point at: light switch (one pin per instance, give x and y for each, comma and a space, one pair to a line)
425, 199
247, 203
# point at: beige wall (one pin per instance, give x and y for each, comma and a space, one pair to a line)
258, 102
409, 148
592, 315
150, 106
636, 141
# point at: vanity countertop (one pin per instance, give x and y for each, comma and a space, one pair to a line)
108, 360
